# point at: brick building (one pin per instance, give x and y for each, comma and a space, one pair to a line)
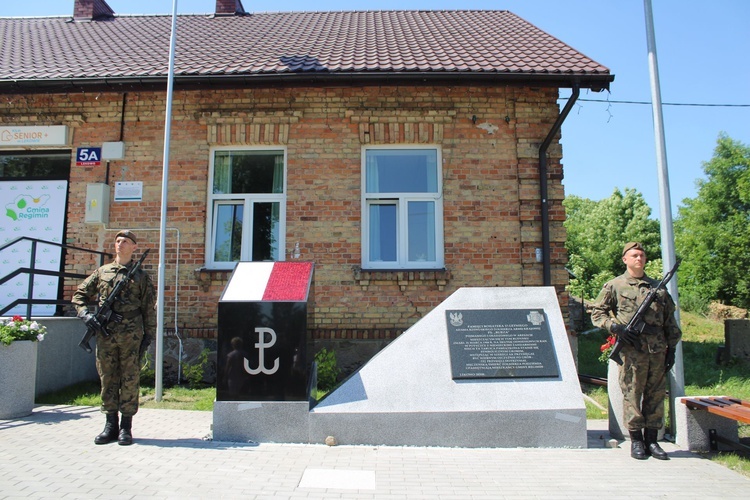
407, 154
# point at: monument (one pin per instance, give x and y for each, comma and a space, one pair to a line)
262, 387
489, 367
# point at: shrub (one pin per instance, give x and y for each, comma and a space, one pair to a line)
328, 370
194, 371
693, 303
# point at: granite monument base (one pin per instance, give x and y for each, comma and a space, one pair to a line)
261, 421
406, 394
511, 428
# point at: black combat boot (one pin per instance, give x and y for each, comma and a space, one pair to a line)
652, 445
125, 438
109, 433
637, 449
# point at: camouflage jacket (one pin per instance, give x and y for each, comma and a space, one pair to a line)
619, 300
136, 299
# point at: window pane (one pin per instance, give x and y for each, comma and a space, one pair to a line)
401, 171
421, 231
228, 242
222, 174
248, 172
52, 165
266, 231
383, 233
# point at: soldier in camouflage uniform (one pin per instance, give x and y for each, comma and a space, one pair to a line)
643, 372
131, 327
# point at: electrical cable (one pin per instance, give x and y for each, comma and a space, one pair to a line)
666, 103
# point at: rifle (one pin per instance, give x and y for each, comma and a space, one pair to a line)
636, 323
105, 312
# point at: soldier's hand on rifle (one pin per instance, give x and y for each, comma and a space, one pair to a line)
90, 320
669, 360
624, 334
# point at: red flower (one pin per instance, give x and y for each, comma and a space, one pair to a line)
17, 318
606, 348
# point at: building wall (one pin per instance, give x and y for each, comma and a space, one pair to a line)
489, 140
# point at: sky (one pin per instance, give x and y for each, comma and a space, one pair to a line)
608, 138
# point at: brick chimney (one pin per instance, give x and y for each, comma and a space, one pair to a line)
229, 7
91, 9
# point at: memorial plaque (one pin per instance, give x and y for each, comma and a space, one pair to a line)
500, 343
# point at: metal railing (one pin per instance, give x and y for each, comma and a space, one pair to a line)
30, 301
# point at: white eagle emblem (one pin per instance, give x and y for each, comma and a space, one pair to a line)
457, 319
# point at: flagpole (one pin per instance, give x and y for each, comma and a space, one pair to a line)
159, 368
676, 375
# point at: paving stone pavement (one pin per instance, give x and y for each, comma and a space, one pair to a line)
51, 454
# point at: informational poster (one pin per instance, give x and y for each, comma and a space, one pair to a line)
32, 209
129, 191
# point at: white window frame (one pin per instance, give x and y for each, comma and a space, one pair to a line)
248, 201
401, 201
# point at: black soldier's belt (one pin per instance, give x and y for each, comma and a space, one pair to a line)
129, 314
652, 329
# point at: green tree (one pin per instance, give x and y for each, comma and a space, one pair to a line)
596, 233
712, 231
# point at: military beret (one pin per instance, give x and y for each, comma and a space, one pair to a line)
631, 245
126, 233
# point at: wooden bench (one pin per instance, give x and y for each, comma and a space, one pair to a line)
734, 409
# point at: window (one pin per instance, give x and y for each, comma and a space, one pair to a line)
402, 207
35, 165
246, 207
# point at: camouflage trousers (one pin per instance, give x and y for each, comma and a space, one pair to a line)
119, 370
643, 382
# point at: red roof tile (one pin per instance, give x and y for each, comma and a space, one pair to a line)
401, 42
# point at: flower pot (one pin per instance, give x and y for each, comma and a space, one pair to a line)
17, 378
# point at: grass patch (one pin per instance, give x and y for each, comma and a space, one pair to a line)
733, 461
179, 398
81, 394
173, 398
596, 411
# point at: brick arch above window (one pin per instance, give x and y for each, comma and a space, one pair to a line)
247, 128
400, 133
400, 126
222, 134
